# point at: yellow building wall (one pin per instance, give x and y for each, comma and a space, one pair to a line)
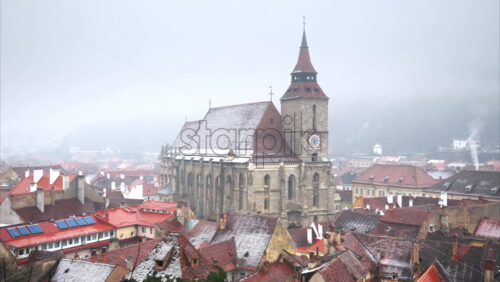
280, 240
126, 232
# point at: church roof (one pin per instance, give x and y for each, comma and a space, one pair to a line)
304, 89
304, 62
230, 126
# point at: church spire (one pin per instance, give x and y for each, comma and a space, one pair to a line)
304, 39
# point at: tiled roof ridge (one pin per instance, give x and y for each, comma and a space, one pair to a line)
239, 105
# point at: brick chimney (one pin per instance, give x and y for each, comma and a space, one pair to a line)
130, 263
265, 267
27, 173
223, 221
52, 195
81, 189
395, 276
489, 269
454, 246
114, 244
65, 182
40, 201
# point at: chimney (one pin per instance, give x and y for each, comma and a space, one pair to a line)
309, 236
53, 175
368, 206
265, 267
410, 203
142, 177
114, 244
320, 230
27, 173
81, 189
390, 198
122, 176
80, 173
40, 201
416, 270
454, 246
130, 263
400, 200
37, 174
395, 276
378, 256
113, 185
415, 259
102, 173
93, 255
106, 216
489, 269
326, 243
65, 182
52, 195
122, 186
223, 221
108, 176
33, 187
106, 202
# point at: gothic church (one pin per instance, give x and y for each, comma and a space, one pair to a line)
250, 158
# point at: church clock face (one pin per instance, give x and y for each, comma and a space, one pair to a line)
315, 142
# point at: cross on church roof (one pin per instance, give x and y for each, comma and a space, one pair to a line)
271, 92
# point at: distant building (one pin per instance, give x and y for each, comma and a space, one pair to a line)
459, 145
469, 184
381, 180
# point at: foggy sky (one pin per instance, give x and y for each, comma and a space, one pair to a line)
150, 64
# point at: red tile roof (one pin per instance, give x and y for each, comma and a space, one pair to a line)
305, 89
277, 271
203, 232
60, 209
409, 216
52, 233
133, 215
398, 175
431, 275
136, 251
171, 224
23, 186
336, 271
488, 228
222, 254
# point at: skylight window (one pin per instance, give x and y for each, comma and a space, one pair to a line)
89, 220
80, 221
61, 224
71, 223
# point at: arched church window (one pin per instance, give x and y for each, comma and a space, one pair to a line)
266, 203
267, 181
240, 188
315, 190
291, 187
314, 157
314, 117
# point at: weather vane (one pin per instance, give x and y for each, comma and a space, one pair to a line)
209, 103
271, 92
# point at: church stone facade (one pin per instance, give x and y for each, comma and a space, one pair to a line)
251, 159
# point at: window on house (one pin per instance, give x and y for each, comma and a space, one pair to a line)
242, 275
431, 227
21, 252
51, 245
143, 229
111, 233
132, 233
56, 245
291, 187
94, 236
308, 89
267, 180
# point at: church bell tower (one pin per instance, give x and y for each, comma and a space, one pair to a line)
304, 111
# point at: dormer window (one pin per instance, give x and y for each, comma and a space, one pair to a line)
308, 89
316, 89
386, 178
494, 190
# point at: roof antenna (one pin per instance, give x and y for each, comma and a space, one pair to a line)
209, 103
304, 22
271, 92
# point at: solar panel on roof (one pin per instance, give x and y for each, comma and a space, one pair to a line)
35, 229
71, 223
80, 221
23, 230
61, 224
13, 232
89, 220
